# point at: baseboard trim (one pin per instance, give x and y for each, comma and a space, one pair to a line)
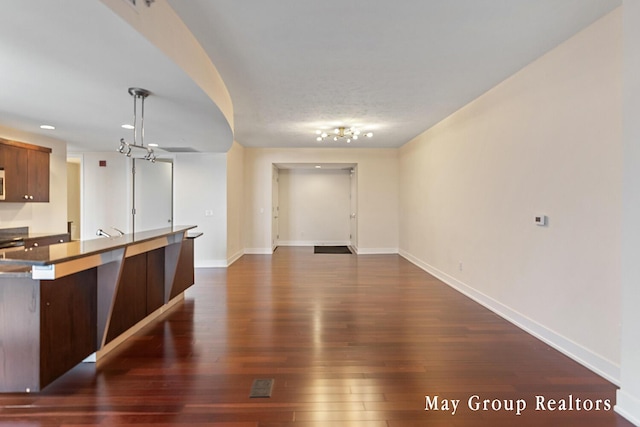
211, 263
233, 258
377, 251
258, 251
628, 406
575, 351
313, 243
357, 250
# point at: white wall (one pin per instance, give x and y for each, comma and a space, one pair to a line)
377, 193
628, 398
40, 217
545, 141
200, 198
106, 193
314, 206
235, 200
153, 195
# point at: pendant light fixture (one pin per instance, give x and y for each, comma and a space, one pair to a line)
134, 150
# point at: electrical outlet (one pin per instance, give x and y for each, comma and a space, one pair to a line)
540, 220
460, 265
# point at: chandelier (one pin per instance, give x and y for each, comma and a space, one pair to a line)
348, 133
134, 150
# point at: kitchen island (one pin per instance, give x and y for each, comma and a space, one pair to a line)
60, 304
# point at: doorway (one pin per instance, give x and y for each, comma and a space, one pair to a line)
275, 207
353, 214
316, 204
74, 196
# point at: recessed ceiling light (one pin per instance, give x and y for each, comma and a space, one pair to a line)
318, 167
152, 145
127, 126
47, 127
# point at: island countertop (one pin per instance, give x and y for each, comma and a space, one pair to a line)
64, 302
63, 252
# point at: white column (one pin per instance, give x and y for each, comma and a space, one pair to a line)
628, 398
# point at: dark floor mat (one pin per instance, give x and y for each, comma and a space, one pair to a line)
331, 250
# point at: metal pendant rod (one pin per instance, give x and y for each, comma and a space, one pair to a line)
138, 93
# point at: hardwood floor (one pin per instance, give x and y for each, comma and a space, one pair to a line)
349, 340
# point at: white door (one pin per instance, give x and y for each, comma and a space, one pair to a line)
275, 207
353, 216
153, 195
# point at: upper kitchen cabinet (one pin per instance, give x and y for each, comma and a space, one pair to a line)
26, 172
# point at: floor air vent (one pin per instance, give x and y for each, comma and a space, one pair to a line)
261, 388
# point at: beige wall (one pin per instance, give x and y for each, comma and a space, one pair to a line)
377, 193
314, 207
74, 177
40, 217
235, 199
545, 141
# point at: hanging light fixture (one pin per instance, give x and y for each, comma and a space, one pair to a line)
342, 132
134, 150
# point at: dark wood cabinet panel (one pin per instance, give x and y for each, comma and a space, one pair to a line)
130, 304
14, 162
67, 323
140, 291
38, 175
27, 171
46, 240
184, 271
155, 280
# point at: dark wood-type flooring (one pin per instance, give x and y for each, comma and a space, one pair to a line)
349, 340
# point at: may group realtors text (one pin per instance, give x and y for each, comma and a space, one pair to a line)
476, 403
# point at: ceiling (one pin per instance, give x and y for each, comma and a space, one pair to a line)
291, 67
70, 63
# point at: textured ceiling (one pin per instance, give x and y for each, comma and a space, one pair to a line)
291, 66
396, 68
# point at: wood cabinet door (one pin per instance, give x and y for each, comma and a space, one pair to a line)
38, 176
14, 162
68, 322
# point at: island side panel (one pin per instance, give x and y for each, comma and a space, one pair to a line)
184, 276
19, 334
108, 279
